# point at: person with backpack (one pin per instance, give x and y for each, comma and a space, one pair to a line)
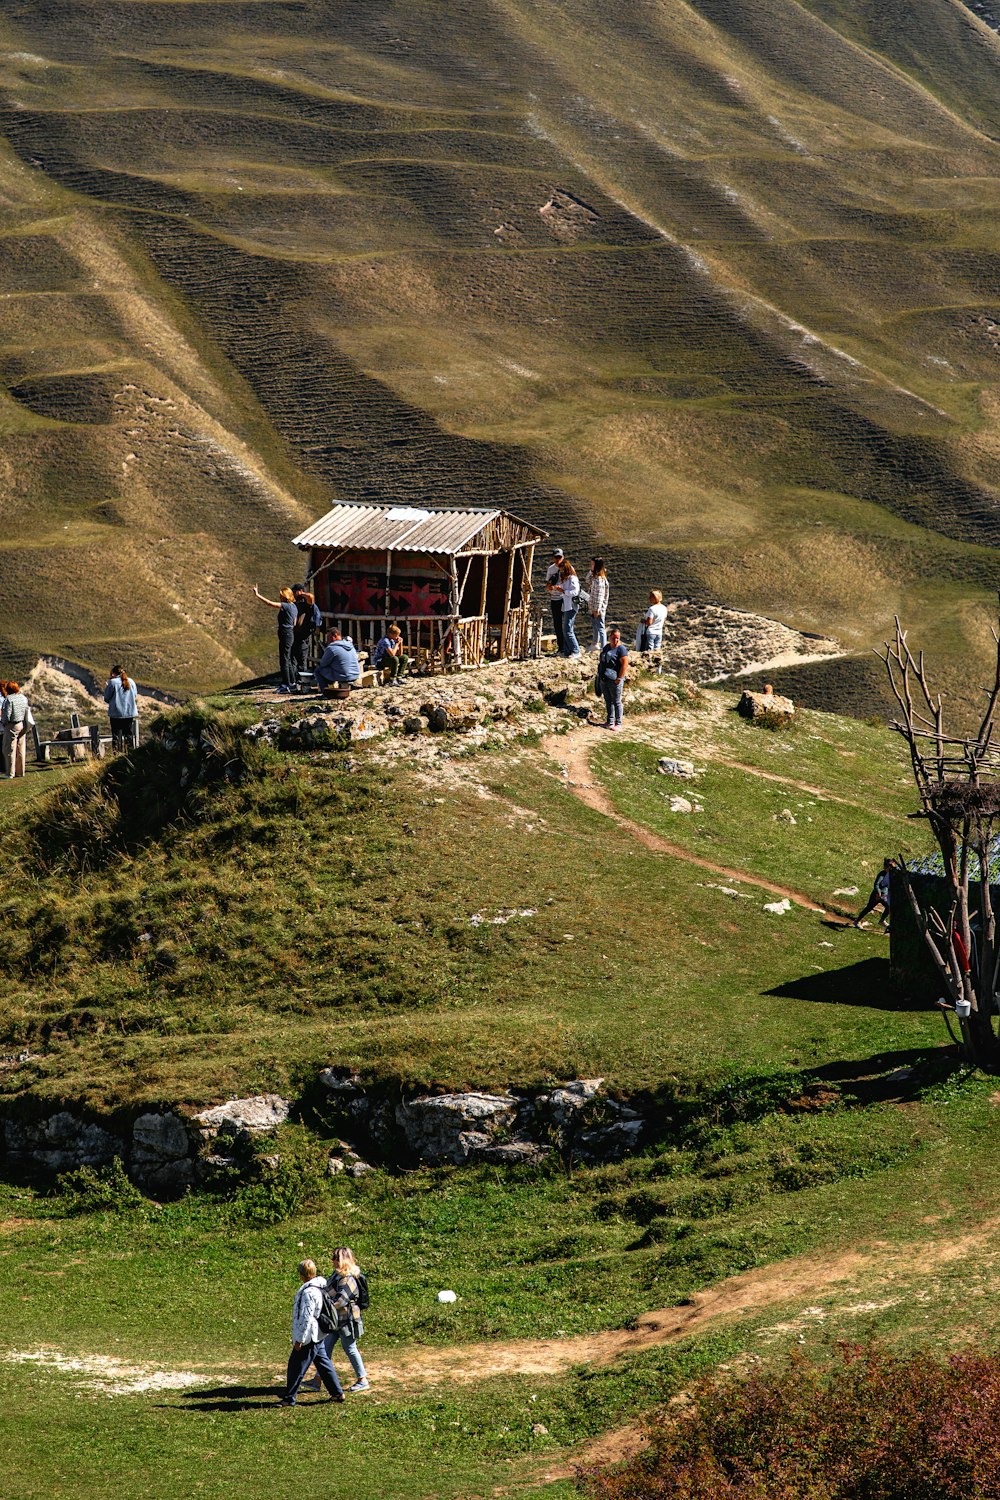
121, 696
308, 621
308, 1343
345, 1298
612, 669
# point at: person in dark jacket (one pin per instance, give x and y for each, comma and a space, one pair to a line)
287, 615
309, 619
339, 665
121, 696
879, 896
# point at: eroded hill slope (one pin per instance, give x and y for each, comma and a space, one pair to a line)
712, 286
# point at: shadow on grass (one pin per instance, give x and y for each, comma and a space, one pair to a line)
865, 983
237, 1398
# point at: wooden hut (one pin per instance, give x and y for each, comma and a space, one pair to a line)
456, 582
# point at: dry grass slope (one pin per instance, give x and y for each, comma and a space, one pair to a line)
254, 254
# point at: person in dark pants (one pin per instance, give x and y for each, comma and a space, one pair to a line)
879, 895
612, 667
309, 619
287, 615
552, 583
308, 1346
123, 709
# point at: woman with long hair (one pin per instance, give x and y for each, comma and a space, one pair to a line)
288, 614
122, 697
569, 587
599, 590
352, 1298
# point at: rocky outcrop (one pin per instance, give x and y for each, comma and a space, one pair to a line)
161, 1158
455, 1128
759, 705
166, 1152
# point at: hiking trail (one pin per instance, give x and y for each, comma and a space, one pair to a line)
573, 752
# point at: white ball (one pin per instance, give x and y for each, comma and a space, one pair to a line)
447, 1297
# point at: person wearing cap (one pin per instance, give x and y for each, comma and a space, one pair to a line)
552, 582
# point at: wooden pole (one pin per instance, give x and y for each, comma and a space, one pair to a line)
506, 603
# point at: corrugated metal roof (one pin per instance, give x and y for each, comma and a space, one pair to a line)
394, 528
933, 864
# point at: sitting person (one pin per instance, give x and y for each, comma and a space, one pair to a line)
390, 657
339, 665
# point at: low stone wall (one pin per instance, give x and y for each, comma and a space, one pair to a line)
168, 1151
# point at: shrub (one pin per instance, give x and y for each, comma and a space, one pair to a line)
868, 1424
89, 1190
290, 1181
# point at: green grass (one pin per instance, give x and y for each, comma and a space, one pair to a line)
314, 911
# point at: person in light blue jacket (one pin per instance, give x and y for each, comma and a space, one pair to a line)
122, 697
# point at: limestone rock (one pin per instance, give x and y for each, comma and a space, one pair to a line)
340, 1081
517, 1153
683, 769
610, 1142
60, 1143
160, 1138
249, 1117
756, 705
453, 1128
566, 1102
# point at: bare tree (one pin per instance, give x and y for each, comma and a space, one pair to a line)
958, 782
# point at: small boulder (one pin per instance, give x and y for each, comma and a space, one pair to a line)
454, 1128
245, 1117
757, 705
683, 769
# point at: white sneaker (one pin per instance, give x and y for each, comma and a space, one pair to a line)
311, 1385
359, 1387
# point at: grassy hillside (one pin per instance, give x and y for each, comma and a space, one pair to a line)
177, 941
710, 286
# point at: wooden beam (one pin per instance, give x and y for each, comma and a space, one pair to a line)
506, 603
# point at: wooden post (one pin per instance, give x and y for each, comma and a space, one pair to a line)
506, 603
41, 751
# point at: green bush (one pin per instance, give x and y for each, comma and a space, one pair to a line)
88, 1190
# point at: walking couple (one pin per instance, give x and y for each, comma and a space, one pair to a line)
327, 1308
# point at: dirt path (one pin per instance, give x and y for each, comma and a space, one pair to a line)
573, 752
739, 1294
800, 786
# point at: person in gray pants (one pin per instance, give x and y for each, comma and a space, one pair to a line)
612, 668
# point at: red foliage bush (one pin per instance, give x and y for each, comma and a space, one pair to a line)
869, 1425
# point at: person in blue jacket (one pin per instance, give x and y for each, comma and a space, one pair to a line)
122, 697
339, 665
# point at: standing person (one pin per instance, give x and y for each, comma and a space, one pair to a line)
287, 615
390, 657
348, 1284
555, 595
880, 895
653, 622
308, 620
15, 721
599, 590
121, 696
612, 668
569, 589
339, 665
308, 1346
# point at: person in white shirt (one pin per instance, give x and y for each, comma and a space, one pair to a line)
308, 1346
653, 622
569, 591
599, 591
16, 719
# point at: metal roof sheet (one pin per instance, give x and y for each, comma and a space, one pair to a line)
933, 864
391, 528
